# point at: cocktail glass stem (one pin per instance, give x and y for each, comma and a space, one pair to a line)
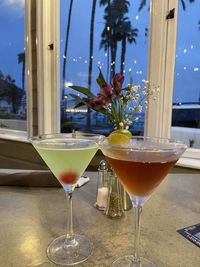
70, 231
137, 218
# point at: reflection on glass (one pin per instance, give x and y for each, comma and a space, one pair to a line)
111, 35
12, 66
186, 108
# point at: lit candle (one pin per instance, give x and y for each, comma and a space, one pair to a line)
102, 195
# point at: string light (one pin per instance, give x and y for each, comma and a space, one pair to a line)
67, 84
75, 110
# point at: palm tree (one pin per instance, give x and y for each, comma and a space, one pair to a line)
114, 16
128, 33
91, 54
21, 59
105, 43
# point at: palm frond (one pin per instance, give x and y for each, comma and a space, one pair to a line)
183, 4
142, 4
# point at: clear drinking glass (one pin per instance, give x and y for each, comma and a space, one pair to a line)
141, 165
67, 158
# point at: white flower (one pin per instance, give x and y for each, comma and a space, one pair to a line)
139, 108
136, 119
121, 124
145, 81
135, 88
144, 92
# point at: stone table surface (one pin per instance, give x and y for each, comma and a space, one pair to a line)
32, 217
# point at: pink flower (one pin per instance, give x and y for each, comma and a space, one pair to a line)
106, 93
117, 82
99, 102
106, 90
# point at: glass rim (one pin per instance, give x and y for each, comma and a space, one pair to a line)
96, 138
178, 144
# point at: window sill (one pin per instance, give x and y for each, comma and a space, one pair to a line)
15, 135
190, 159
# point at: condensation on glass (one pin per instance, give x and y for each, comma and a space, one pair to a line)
186, 98
111, 35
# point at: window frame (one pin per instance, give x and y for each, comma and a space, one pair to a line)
44, 100
161, 64
161, 72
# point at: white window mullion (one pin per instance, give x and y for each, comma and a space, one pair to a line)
29, 92
47, 67
162, 47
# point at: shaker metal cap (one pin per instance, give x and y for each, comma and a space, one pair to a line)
103, 165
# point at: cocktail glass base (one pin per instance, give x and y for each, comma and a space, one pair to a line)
69, 253
128, 261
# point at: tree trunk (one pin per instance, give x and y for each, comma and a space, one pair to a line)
123, 53
91, 56
113, 58
65, 56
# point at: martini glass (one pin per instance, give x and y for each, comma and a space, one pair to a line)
67, 158
141, 165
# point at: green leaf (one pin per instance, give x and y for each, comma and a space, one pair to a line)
100, 79
82, 90
126, 88
82, 101
76, 97
80, 104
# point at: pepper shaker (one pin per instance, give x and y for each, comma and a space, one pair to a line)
114, 207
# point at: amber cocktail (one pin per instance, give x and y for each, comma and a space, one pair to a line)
141, 164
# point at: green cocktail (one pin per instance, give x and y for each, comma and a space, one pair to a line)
67, 161
67, 158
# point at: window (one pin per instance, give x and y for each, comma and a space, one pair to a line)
87, 39
12, 66
186, 98
42, 52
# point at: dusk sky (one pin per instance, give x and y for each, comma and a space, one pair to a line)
187, 72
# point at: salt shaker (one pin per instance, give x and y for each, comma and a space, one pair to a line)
114, 207
102, 186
